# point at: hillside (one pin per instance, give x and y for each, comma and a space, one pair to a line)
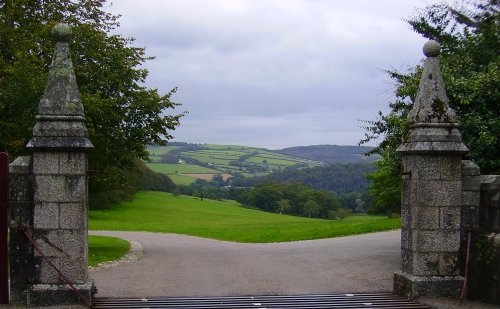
185, 163
330, 153
224, 220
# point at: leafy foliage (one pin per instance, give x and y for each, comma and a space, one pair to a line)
330, 153
292, 198
122, 115
470, 63
336, 177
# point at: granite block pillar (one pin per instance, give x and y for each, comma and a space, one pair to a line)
431, 191
59, 165
20, 217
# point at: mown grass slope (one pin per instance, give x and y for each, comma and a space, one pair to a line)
224, 220
105, 248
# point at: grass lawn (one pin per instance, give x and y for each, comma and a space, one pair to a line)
104, 248
181, 179
224, 220
168, 168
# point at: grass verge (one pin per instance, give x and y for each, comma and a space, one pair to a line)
225, 220
104, 249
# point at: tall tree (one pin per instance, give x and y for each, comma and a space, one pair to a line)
122, 115
470, 64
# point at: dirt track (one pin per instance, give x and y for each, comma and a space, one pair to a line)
179, 265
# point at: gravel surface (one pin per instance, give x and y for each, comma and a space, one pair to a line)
180, 265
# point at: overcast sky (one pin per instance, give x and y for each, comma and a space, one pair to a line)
274, 73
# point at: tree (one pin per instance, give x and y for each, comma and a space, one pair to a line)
122, 115
340, 213
283, 206
311, 208
468, 34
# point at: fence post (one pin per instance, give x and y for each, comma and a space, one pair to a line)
4, 187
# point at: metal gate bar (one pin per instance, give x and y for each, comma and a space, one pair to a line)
4, 189
384, 300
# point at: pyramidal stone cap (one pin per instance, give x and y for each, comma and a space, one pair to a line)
61, 96
431, 103
60, 122
434, 126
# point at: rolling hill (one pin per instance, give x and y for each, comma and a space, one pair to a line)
331, 153
184, 163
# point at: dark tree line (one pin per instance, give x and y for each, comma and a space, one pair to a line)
339, 177
122, 115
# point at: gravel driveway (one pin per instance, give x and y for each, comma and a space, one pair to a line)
180, 265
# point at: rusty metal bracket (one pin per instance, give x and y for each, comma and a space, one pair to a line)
93, 172
82, 297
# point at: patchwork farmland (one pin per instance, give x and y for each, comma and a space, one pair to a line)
185, 164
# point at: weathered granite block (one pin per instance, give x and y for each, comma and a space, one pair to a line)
59, 128
436, 241
46, 216
75, 269
406, 238
450, 168
469, 216
424, 167
40, 295
21, 267
407, 260
406, 194
20, 187
46, 163
425, 264
450, 218
45, 273
61, 188
469, 168
413, 287
73, 163
471, 183
470, 198
434, 193
61, 243
20, 215
71, 216
448, 264
406, 215
49, 188
425, 218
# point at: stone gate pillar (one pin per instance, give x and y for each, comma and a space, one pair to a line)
60, 146
431, 191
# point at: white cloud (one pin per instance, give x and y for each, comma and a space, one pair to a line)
273, 73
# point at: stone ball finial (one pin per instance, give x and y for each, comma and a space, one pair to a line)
432, 49
62, 32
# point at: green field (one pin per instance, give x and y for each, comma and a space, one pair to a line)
104, 248
182, 180
167, 168
225, 220
220, 158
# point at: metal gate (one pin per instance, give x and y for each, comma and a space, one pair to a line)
383, 300
4, 189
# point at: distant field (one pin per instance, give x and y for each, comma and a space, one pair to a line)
224, 159
167, 168
224, 220
206, 176
181, 179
